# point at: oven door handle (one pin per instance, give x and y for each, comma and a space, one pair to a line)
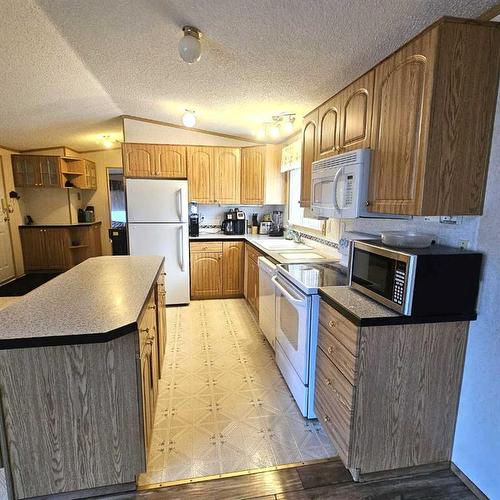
287, 294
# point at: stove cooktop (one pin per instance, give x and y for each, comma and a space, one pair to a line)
310, 277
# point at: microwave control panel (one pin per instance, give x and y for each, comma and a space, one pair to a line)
399, 283
349, 188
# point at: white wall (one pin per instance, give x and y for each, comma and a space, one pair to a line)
477, 439
153, 133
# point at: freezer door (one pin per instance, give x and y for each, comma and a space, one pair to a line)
172, 242
155, 200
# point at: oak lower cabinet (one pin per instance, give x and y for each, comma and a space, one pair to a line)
161, 318
388, 395
252, 277
58, 248
154, 160
217, 269
434, 109
262, 182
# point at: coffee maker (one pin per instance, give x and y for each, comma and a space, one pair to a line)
194, 219
277, 224
234, 222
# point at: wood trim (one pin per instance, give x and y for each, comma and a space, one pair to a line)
34, 150
199, 130
472, 486
490, 14
8, 149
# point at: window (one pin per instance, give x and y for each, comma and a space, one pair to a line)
295, 211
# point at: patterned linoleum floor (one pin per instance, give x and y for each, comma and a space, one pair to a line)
223, 405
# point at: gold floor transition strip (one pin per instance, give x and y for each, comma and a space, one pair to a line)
230, 474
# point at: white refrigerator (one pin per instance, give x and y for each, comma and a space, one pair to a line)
157, 219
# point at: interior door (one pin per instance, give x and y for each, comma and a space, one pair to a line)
7, 270
155, 200
293, 325
172, 242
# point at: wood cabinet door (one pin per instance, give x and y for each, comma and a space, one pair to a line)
308, 156
328, 132
402, 102
170, 161
227, 175
253, 163
253, 285
161, 318
49, 171
90, 175
138, 160
57, 248
200, 173
34, 251
233, 259
206, 275
146, 379
19, 170
356, 114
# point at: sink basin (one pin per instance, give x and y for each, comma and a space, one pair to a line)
301, 255
282, 245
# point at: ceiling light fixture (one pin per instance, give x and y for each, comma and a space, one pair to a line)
189, 118
190, 45
107, 141
282, 122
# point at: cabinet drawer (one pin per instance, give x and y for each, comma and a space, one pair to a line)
339, 326
337, 353
333, 397
206, 246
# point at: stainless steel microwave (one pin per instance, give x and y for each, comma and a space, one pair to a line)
433, 281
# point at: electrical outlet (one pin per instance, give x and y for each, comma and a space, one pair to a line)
463, 244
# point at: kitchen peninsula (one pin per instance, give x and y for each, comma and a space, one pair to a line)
79, 364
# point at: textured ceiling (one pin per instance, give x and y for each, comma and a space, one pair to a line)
74, 65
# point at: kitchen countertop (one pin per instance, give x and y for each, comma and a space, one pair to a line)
62, 224
363, 311
96, 301
257, 239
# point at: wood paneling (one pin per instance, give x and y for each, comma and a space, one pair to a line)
200, 173
308, 156
82, 418
227, 175
206, 275
253, 164
233, 258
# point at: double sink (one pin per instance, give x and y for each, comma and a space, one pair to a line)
290, 250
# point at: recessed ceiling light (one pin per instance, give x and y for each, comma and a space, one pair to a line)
190, 45
189, 118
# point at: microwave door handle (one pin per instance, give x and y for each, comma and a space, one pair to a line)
335, 184
286, 293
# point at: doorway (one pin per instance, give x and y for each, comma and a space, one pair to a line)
117, 211
7, 269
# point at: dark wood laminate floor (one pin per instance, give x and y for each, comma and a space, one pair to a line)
329, 480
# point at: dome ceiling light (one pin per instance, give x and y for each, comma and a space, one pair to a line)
190, 45
189, 118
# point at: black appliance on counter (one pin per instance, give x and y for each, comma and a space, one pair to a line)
118, 237
234, 222
194, 219
438, 280
228, 226
239, 226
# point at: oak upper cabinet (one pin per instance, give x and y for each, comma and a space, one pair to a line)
200, 174
233, 268
88, 179
328, 131
138, 160
206, 270
356, 114
154, 160
262, 182
170, 161
308, 156
433, 115
227, 173
36, 171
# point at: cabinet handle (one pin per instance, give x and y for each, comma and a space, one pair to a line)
328, 381
326, 418
152, 307
332, 324
145, 330
330, 349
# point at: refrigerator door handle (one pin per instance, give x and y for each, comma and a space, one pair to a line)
181, 249
179, 205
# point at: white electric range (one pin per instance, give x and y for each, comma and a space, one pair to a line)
297, 317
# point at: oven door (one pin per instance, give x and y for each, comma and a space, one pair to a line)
293, 325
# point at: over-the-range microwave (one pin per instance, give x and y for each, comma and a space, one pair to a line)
433, 281
339, 187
